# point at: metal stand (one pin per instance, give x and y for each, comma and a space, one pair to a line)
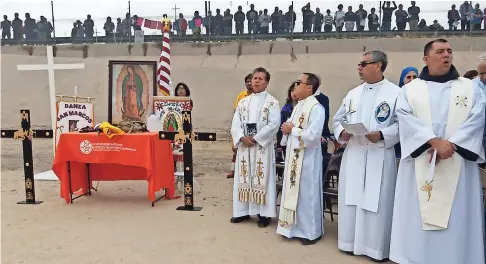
156, 200
70, 184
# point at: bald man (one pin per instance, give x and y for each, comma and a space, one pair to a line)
481, 82
481, 68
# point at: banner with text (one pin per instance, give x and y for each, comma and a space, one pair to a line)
72, 116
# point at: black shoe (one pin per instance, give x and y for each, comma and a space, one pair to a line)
263, 221
379, 261
240, 219
306, 242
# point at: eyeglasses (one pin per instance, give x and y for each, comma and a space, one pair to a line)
364, 63
298, 82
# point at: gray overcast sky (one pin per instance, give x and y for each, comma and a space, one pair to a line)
68, 11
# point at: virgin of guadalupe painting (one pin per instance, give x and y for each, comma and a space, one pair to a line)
168, 109
132, 84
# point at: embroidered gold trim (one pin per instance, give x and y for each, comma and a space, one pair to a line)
427, 187
461, 101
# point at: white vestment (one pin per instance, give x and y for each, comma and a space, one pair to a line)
254, 190
309, 216
368, 170
462, 239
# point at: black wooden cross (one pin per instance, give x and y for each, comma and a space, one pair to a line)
26, 134
185, 137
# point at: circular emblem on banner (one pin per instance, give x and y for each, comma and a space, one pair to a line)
382, 112
86, 147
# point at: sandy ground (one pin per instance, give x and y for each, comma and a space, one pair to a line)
118, 225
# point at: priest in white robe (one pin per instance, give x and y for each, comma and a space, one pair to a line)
301, 207
438, 213
368, 169
254, 128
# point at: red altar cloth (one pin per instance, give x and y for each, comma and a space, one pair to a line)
140, 156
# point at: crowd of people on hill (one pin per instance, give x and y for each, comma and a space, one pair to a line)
466, 17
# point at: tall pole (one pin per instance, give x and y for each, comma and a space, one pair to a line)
380, 22
470, 24
206, 14
130, 23
209, 9
292, 22
53, 25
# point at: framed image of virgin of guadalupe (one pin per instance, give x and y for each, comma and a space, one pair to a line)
168, 110
131, 87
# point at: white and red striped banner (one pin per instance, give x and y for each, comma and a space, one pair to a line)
163, 68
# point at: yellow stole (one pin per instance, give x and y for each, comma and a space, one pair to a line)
436, 193
293, 168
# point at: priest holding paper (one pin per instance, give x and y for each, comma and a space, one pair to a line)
368, 169
438, 213
254, 128
301, 207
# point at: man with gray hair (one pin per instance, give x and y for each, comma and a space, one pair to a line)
368, 169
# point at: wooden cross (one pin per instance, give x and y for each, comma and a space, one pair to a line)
50, 67
27, 134
186, 136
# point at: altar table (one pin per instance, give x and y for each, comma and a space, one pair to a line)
82, 158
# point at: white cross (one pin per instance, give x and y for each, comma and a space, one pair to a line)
50, 67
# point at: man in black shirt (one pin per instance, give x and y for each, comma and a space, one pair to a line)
239, 20
88, 27
307, 15
275, 21
326, 134
318, 20
218, 22
17, 27
29, 27
387, 15
6, 25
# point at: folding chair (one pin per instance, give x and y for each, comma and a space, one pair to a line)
331, 193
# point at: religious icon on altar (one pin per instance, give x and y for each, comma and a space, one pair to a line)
168, 109
73, 125
131, 86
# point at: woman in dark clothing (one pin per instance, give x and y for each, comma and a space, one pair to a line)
285, 114
183, 90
